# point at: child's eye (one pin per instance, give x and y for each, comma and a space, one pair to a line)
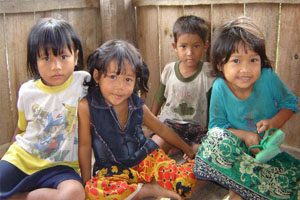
129, 79
197, 46
113, 77
236, 61
63, 57
182, 46
254, 60
46, 58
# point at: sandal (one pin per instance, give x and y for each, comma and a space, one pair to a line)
269, 145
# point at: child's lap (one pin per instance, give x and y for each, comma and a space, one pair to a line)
190, 133
156, 166
13, 180
223, 158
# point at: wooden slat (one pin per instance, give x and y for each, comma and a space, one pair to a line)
17, 55
202, 11
6, 118
148, 44
167, 18
3, 148
289, 64
222, 13
17, 6
266, 16
205, 2
117, 20
87, 24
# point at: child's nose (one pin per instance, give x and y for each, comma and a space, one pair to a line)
120, 84
189, 51
244, 67
56, 64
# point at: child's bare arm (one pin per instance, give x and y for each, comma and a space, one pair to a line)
275, 122
158, 100
155, 109
85, 140
165, 132
17, 131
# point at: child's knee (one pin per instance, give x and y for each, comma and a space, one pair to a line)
71, 189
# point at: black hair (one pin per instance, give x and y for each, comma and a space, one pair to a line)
51, 34
230, 35
191, 24
121, 51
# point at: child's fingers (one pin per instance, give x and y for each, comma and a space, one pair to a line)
262, 128
185, 157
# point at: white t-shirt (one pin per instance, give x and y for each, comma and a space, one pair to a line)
48, 117
186, 100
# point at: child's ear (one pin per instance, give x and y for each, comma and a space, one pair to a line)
174, 46
96, 75
206, 45
76, 56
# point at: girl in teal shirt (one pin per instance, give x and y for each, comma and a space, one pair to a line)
247, 99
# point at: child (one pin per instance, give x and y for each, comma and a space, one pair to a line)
127, 164
42, 162
185, 84
247, 99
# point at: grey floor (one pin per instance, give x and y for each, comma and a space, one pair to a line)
210, 191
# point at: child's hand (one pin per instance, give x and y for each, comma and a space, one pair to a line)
250, 139
195, 148
263, 125
190, 153
185, 157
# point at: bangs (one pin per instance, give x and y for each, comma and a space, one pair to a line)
52, 39
236, 37
246, 46
246, 39
121, 55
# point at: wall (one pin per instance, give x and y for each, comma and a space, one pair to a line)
149, 26
278, 19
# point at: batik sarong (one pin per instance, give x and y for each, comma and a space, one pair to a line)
123, 183
224, 158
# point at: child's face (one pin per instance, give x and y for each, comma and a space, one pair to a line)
55, 70
190, 49
242, 70
116, 89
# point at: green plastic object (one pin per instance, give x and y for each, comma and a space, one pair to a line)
269, 145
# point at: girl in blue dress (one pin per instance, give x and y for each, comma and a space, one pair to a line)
127, 164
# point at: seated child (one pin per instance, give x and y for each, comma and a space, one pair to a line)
247, 99
185, 84
42, 163
127, 164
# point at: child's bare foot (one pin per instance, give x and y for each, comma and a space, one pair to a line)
155, 190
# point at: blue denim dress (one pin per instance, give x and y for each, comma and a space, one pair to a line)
113, 145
